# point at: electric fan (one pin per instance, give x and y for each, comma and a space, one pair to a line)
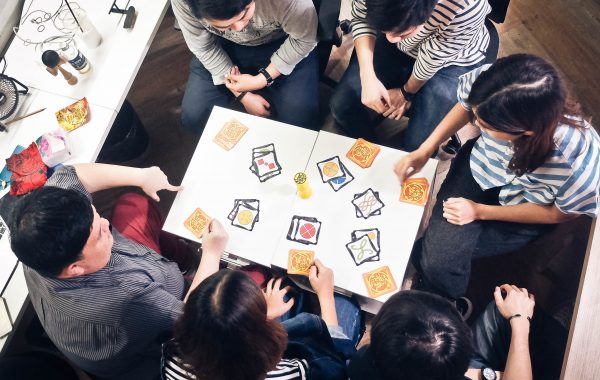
9, 95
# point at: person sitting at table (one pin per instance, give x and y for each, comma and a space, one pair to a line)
105, 296
418, 335
231, 330
535, 164
258, 52
408, 55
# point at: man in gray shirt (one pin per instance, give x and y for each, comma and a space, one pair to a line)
259, 52
106, 301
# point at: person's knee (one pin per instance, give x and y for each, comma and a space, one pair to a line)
194, 117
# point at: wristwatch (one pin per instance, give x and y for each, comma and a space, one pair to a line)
407, 95
488, 374
267, 76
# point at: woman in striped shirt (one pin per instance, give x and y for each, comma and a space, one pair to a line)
230, 330
412, 65
536, 164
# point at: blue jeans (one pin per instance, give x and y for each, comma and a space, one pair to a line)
294, 98
393, 68
492, 335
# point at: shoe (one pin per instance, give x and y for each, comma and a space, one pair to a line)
464, 307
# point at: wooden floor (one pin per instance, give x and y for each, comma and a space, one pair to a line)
564, 32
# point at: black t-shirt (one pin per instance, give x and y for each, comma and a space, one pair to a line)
362, 366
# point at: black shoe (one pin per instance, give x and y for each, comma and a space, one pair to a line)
453, 145
464, 307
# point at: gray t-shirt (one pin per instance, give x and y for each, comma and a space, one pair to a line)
110, 322
272, 20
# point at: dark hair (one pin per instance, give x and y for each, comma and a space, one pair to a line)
49, 228
420, 336
217, 9
224, 333
523, 92
398, 15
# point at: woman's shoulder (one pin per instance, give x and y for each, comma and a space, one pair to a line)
572, 141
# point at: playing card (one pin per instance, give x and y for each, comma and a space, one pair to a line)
362, 250
300, 261
330, 169
197, 222
337, 183
304, 230
245, 217
231, 133
363, 153
367, 203
264, 162
379, 282
372, 233
415, 191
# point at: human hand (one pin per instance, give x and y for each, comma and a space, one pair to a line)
374, 94
321, 279
256, 105
460, 211
517, 301
245, 82
214, 239
398, 105
153, 180
276, 305
411, 164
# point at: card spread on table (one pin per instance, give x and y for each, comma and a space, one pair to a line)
300, 261
304, 230
334, 172
231, 133
197, 222
363, 153
364, 246
264, 162
415, 191
367, 204
245, 213
379, 282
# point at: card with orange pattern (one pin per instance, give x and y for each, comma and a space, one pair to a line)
415, 191
197, 222
231, 133
300, 261
363, 153
379, 281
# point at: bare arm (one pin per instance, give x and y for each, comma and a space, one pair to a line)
96, 177
214, 242
462, 211
321, 279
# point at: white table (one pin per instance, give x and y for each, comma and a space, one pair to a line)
115, 64
215, 178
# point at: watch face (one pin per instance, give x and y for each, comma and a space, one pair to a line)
488, 374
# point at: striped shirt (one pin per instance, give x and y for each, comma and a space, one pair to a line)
454, 34
569, 179
286, 369
110, 322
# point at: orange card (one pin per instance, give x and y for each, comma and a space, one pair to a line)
379, 282
299, 261
363, 153
197, 222
230, 134
415, 191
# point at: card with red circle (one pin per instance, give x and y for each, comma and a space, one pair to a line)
300, 261
304, 230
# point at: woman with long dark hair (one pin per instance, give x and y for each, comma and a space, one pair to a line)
231, 330
535, 164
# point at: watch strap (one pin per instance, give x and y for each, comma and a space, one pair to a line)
407, 95
267, 76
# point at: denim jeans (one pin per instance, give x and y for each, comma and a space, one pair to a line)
492, 335
393, 68
444, 254
293, 99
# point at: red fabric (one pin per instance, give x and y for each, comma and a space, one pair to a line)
138, 218
28, 171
